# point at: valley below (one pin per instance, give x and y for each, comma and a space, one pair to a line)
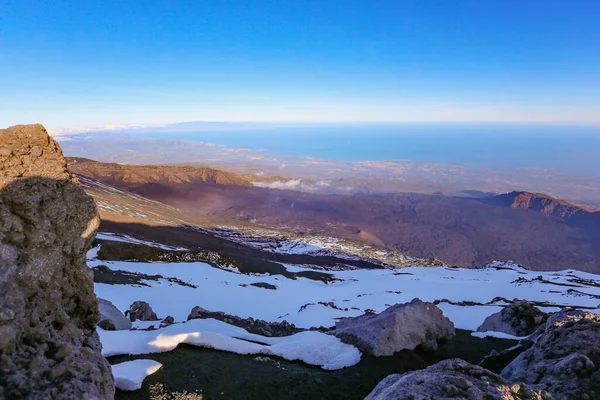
261, 267
461, 231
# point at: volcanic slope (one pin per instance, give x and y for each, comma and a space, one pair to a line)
458, 231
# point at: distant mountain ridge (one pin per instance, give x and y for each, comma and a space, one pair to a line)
121, 175
537, 202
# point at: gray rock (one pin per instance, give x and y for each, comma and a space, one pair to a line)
564, 358
109, 312
518, 319
452, 379
400, 327
107, 325
49, 348
140, 310
168, 321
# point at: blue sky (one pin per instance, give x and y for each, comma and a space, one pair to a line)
95, 63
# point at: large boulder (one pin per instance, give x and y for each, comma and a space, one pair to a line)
452, 379
400, 327
108, 312
564, 358
141, 311
520, 318
49, 348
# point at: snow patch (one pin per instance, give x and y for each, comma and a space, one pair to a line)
313, 348
129, 375
500, 335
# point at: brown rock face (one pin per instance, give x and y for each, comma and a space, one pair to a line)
48, 311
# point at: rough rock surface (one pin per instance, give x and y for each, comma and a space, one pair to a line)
452, 379
256, 326
49, 347
109, 312
168, 321
400, 327
107, 325
519, 319
140, 310
564, 358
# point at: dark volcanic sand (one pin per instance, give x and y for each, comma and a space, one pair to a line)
222, 375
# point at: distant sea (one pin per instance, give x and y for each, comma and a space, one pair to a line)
568, 148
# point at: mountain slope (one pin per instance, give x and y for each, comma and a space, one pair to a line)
458, 231
121, 175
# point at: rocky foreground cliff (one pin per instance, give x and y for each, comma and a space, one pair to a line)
49, 347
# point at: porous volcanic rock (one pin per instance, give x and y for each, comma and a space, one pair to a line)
564, 358
400, 327
109, 312
519, 319
49, 347
140, 310
452, 379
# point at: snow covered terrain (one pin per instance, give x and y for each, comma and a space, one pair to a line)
309, 303
275, 242
466, 296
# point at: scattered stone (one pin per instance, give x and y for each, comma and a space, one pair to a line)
520, 318
452, 379
564, 358
49, 348
264, 285
107, 325
140, 310
111, 313
256, 326
400, 327
167, 321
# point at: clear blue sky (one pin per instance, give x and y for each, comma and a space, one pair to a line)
95, 63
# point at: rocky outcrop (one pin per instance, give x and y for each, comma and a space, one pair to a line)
256, 326
452, 379
400, 327
49, 347
108, 312
140, 310
518, 319
564, 358
538, 202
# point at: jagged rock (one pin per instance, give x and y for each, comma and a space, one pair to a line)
140, 310
111, 313
452, 379
256, 326
400, 327
107, 325
564, 358
49, 347
167, 321
518, 319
